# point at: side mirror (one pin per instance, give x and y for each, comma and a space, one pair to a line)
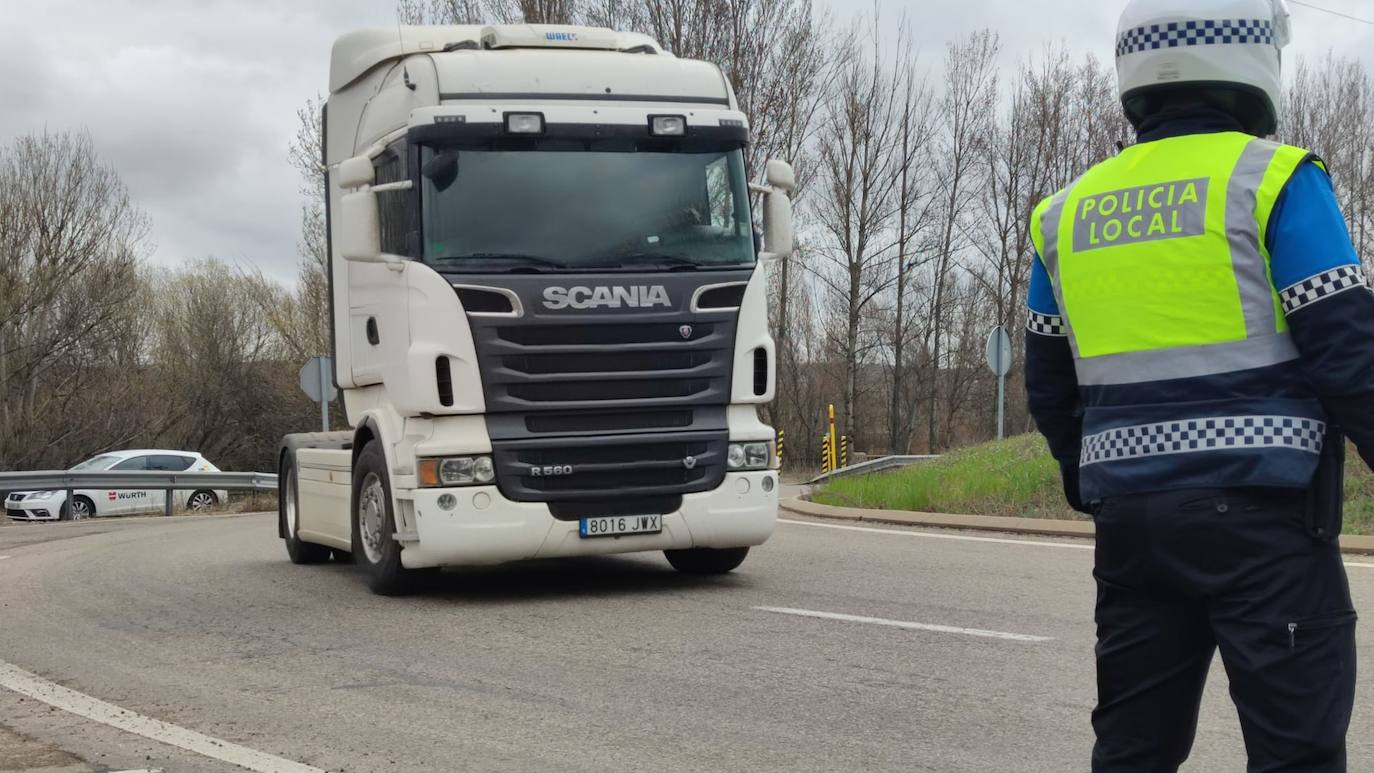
442, 169
356, 172
360, 231
777, 210
780, 176
777, 226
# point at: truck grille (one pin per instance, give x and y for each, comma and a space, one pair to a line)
627, 465
594, 365
621, 404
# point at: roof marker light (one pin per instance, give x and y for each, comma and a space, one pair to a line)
524, 123
668, 125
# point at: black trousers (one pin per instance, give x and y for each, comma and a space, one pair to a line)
1182, 573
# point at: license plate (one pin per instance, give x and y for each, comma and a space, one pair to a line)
617, 525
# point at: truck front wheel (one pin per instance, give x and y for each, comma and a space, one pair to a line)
706, 560
374, 524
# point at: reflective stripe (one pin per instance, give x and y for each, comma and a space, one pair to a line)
1323, 286
1046, 324
1222, 433
1242, 231
1049, 227
1186, 362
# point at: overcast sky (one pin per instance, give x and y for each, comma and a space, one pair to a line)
194, 101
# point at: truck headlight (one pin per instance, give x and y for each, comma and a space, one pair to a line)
456, 471
749, 456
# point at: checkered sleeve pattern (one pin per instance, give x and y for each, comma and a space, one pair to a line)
1202, 32
1227, 433
1323, 286
1046, 325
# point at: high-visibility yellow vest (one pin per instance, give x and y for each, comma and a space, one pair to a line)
1158, 259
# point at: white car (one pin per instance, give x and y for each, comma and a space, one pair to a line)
53, 506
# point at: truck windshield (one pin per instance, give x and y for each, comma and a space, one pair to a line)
577, 209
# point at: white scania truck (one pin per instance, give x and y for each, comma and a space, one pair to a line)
549, 307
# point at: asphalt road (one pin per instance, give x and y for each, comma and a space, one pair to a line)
968, 655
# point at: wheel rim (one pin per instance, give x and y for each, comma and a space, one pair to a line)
372, 517
290, 505
201, 501
80, 510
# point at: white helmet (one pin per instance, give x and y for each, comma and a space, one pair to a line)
1227, 50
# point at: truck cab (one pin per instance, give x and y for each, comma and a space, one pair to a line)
549, 307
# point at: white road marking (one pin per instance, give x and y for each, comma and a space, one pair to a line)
902, 624
935, 535
966, 538
94, 709
2, 558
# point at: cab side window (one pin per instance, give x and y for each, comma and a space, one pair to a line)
394, 208
135, 463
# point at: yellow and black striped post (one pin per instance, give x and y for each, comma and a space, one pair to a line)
844, 451
834, 439
825, 454
781, 437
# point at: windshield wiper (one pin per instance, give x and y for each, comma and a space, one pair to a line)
521, 260
664, 260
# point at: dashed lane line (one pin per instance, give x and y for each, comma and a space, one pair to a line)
82, 705
979, 632
967, 538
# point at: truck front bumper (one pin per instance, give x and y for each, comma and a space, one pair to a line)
486, 528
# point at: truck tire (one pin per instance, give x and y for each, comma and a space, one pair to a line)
288, 509
706, 560
374, 523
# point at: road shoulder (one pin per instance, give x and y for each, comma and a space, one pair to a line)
1354, 545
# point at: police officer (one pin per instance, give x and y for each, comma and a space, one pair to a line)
1200, 325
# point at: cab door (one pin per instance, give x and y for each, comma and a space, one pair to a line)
125, 501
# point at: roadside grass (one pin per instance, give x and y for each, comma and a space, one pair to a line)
1017, 477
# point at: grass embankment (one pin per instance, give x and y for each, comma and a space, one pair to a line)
1017, 477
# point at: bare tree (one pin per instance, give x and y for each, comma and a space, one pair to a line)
861, 168
968, 104
70, 245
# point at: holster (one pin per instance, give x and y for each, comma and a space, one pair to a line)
1326, 496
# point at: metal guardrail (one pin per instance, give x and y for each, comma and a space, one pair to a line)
123, 480
872, 465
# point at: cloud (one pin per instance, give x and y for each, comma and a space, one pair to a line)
194, 101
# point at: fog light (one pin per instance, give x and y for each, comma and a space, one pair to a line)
667, 125
768, 484
524, 123
447, 501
